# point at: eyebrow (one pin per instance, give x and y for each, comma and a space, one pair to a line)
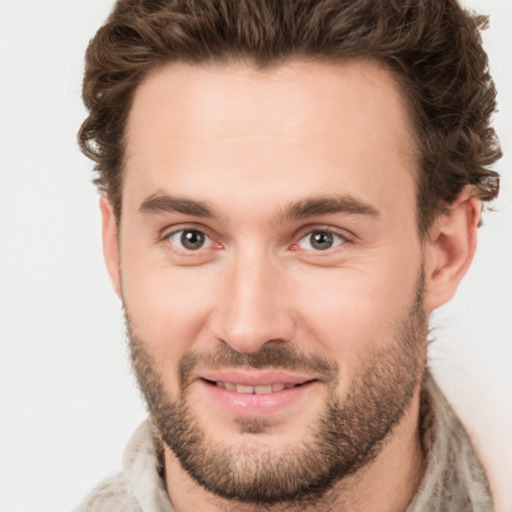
313, 207
163, 203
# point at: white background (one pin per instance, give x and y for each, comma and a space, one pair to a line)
68, 403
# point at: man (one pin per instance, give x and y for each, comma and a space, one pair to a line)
289, 190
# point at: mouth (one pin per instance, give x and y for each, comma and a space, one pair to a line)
257, 389
259, 393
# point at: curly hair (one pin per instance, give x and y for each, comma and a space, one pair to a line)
433, 48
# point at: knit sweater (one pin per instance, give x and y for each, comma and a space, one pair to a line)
454, 480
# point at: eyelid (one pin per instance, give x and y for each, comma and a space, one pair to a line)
176, 240
183, 226
307, 230
168, 231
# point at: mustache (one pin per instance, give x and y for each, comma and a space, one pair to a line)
278, 357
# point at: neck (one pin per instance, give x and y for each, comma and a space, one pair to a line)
387, 484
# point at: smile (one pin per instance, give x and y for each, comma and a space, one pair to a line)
256, 394
255, 390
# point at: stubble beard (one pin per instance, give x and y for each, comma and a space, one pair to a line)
347, 436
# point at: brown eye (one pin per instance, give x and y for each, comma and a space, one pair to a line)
320, 240
192, 240
189, 239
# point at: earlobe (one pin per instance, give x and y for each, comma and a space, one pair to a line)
110, 243
451, 248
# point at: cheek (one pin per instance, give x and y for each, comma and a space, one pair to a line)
351, 312
167, 309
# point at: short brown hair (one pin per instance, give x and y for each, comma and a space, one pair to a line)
433, 47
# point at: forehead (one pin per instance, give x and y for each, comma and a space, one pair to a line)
297, 128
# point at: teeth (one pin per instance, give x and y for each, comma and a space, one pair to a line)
240, 388
261, 390
258, 390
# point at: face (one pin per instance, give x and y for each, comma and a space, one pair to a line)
271, 270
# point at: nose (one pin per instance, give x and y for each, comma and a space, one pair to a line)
254, 308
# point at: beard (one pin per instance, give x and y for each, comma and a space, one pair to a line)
346, 436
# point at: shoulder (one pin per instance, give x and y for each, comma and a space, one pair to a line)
111, 495
140, 486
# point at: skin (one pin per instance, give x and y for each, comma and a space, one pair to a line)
249, 143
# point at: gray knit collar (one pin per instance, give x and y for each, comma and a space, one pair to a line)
454, 478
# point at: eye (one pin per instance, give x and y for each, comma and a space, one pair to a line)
320, 240
190, 239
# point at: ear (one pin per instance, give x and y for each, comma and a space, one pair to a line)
110, 243
450, 248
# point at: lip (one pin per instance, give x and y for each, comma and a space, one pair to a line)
256, 405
